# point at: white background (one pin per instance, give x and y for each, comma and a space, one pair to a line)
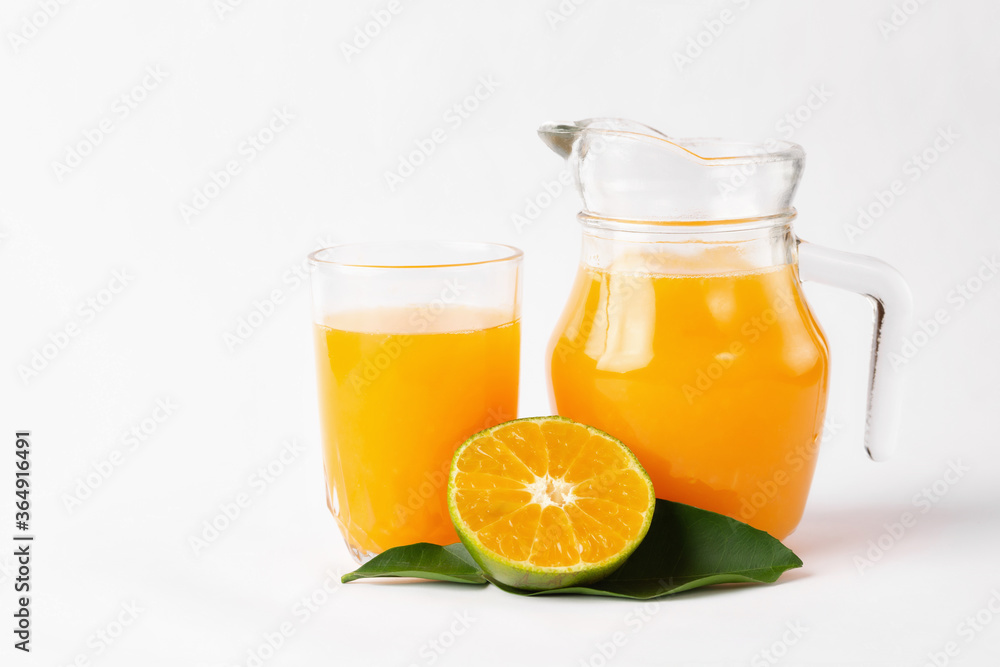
63, 235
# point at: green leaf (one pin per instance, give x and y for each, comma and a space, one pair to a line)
685, 548
424, 561
688, 548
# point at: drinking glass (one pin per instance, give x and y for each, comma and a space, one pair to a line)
417, 348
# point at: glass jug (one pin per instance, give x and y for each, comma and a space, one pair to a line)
687, 335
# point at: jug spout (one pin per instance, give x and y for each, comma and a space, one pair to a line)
629, 171
561, 136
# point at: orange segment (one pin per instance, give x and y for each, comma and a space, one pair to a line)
596, 542
622, 487
555, 543
622, 520
525, 441
597, 459
546, 502
495, 459
486, 506
485, 480
514, 534
565, 442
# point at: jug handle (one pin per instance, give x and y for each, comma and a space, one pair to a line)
886, 288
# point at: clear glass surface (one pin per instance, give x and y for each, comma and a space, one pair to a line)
687, 334
417, 348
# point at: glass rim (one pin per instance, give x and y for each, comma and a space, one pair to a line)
592, 221
723, 151
729, 151
511, 254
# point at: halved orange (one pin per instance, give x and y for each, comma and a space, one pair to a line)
546, 502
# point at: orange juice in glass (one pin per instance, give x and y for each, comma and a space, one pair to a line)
417, 348
717, 381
